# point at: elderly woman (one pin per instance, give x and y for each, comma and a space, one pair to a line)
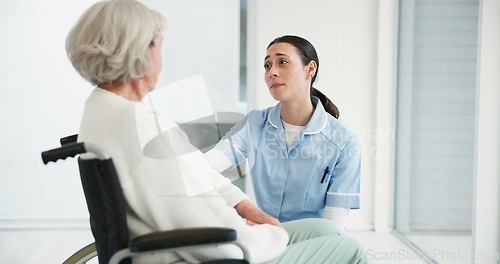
116, 46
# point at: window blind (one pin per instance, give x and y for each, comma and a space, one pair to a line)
435, 118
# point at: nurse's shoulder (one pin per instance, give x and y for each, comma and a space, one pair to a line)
338, 133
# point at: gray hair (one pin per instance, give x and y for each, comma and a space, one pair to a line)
110, 41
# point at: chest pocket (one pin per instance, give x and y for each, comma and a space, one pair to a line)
316, 192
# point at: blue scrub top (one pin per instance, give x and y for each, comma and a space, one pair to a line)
288, 181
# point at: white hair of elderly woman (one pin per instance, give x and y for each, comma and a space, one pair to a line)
109, 42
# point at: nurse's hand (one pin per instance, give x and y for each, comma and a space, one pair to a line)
254, 215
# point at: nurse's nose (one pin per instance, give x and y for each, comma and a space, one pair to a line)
273, 72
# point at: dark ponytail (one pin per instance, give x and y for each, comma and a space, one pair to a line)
330, 107
307, 54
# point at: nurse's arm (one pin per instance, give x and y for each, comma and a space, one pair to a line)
338, 215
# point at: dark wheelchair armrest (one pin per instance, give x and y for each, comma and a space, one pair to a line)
181, 238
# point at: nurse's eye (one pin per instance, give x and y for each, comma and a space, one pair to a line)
283, 62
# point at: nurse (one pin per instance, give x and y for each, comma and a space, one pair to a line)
304, 162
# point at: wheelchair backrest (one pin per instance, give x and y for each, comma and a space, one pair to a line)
106, 205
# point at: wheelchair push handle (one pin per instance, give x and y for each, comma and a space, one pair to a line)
68, 150
68, 140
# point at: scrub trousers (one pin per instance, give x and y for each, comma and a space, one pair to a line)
317, 241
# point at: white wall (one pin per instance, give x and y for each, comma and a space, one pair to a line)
42, 97
486, 227
346, 37
41, 100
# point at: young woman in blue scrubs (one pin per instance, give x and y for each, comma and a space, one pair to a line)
304, 162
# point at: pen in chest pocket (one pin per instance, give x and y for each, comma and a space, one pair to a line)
327, 172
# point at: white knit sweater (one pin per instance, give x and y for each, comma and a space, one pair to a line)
172, 186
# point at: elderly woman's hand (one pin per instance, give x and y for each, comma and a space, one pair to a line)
254, 215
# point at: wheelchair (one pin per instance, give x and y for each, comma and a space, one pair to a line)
107, 209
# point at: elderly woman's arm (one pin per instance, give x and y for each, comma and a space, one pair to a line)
240, 201
254, 215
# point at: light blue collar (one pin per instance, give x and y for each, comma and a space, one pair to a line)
317, 123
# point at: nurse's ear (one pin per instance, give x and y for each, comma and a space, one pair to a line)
311, 69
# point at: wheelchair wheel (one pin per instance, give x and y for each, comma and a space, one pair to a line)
83, 255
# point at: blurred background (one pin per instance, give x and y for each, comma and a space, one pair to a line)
416, 79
